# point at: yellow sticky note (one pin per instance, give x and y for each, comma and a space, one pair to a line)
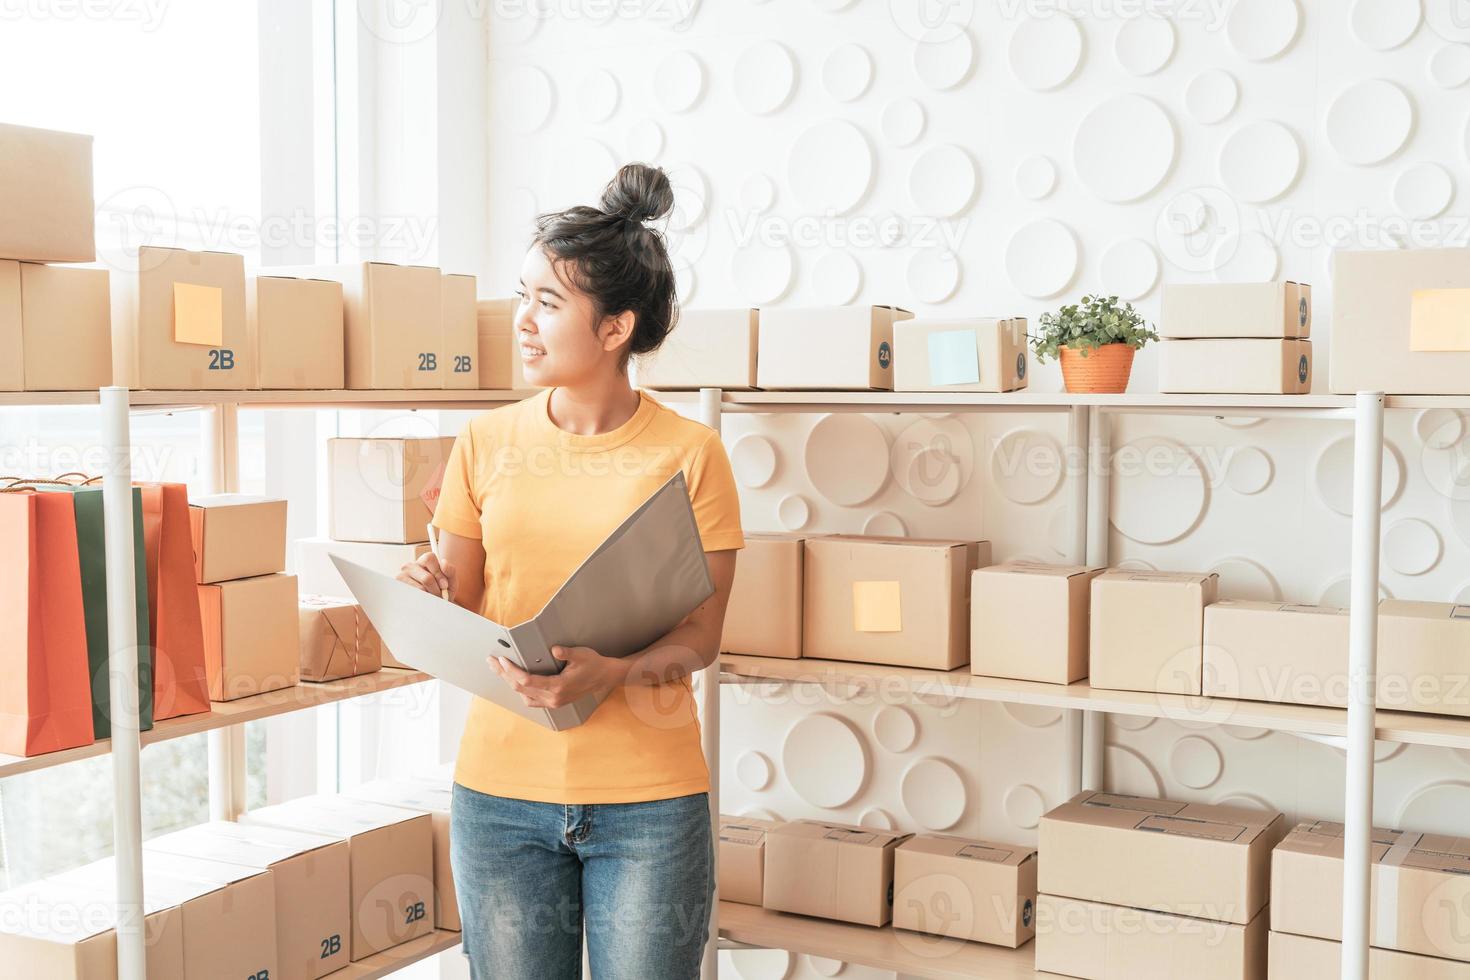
1439, 320
875, 607
199, 314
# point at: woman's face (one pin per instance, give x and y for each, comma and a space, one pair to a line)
560, 342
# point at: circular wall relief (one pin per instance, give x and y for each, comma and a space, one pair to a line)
942, 181
824, 761
757, 193
1128, 772
1384, 24
1211, 96
1041, 258
1024, 806
1158, 493
1045, 52
765, 77
895, 728
1036, 177
645, 140
1260, 161
793, 512
944, 58
886, 524
1338, 594
691, 195
1423, 191
846, 458
933, 792
754, 770
1245, 734
1448, 21
1439, 428
678, 81
847, 72
762, 274
597, 95
1136, 565
1132, 723
1333, 476
1249, 471
933, 274
761, 813
1032, 715
1442, 805
1250, 800
1059, 532
1449, 67
1260, 30
877, 818
836, 277
934, 477
1412, 546
1246, 578
1144, 44
1354, 138
1195, 762
948, 436
830, 167
1122, 170
1129, 268
762, 964
753, 458
1249, 257
903, 122
535, 98
1460, 518
1027, 466
821, 964
685, 282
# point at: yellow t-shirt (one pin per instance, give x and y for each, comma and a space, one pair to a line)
541, 499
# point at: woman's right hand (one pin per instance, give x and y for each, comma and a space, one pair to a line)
428, 573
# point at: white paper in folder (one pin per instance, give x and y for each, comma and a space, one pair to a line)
640, 583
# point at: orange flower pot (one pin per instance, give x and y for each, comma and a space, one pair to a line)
1103, 371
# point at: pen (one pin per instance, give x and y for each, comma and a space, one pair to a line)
434, 550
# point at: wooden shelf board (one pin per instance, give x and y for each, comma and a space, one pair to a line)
392, 960
426, 398
229, 713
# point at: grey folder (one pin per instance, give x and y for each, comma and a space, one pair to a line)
641, 582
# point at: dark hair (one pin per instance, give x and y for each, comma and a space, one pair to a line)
612, 256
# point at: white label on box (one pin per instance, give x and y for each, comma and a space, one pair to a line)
1189, 827
1140, 804
979, 852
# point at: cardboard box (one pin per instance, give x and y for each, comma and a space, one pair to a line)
1275, 310
706, 349
384, 490
393, 330
296, 332
1424, 657
337, 640
1209, 862
500, 360
965, 889
63, 931
1029, 621
12, 352
742, 858
46, 195
901, 601
832, 870
1147, 630
316, 575
178, 322
1276, 651
65, 327
1108, 942
1302, 958
252, 636
970, 354
1398, 324
764, 616
1248, 367
461, 331
310, 873
433, 798
1420, 888
392, 856
237, 536
827, 348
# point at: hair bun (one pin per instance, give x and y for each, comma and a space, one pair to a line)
639, 193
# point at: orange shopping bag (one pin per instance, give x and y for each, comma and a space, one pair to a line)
179, 683
45, 698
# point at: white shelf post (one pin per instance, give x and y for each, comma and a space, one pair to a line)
1076, 471
122, 663
220, 426
1099, 488
709, 695
1363, 686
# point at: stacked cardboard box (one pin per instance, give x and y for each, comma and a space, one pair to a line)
1249, 338
831, 870
742, 859
965, 889
499, 348
706, 349
764, 616
976, 354
68, 931
432, 797
1147, 630
1030, 620
295, 330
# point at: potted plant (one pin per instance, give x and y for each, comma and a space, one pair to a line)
1095, 341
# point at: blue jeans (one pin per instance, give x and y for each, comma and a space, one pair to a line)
528, 875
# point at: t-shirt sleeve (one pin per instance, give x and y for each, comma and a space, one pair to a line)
715, 499
458, 510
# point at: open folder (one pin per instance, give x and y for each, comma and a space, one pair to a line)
640, 583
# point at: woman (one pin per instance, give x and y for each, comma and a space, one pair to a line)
607, 823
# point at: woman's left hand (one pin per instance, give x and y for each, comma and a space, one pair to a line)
586, 672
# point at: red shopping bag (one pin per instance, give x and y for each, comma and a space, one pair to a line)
45, 699
180, 686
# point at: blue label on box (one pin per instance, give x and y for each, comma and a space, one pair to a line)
1301, 369
885, 355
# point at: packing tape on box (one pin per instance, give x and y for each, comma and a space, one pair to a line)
1386, 902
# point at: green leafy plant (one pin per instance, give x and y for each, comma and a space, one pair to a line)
1092, 323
